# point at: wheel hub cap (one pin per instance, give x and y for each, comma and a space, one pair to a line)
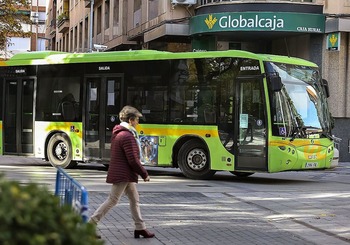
196, 159
61, 151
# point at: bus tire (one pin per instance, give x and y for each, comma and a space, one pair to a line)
194, 161
59, 151
241, 174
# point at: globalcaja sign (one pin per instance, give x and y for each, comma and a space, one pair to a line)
258, 21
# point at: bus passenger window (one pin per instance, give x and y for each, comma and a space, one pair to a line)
61, 103
68, 108
152, 103
138, 102
179, 86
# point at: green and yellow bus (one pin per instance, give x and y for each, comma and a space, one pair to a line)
202, 111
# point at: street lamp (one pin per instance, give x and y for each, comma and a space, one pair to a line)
91, 24
35, 21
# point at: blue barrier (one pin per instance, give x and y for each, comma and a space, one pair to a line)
72, 193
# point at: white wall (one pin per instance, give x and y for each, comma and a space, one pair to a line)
41, 44
19, 44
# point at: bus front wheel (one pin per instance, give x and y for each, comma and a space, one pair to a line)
193, 160
59, 151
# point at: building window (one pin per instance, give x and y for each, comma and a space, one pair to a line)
71, 42
81, 37
107, 14
137, 13
115, 17
86, 32
93, 24
99, 20
153, 9
75, 39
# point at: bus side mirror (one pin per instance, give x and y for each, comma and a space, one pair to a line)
325, 87
276, 83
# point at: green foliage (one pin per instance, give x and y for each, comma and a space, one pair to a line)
31, 215
13, 13
62, 16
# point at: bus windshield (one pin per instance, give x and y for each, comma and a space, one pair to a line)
299, 109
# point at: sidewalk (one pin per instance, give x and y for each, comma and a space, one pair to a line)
186, 218
237, 216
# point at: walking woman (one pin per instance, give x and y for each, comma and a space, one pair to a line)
124, 169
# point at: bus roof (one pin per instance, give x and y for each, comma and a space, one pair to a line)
54, 57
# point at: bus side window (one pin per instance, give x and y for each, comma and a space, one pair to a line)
69, 111
179, 85
58, 97
69, 108
209, 114
156, 101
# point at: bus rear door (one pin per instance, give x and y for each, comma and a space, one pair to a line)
103, 102
19, 116
250, 129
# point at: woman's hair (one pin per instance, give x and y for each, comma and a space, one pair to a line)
128, 112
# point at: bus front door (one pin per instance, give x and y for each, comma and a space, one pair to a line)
103, 102
19, 116
250, 130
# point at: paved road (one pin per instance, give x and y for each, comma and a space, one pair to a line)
284, 208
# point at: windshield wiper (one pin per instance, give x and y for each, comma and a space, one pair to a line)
298, 131
322, 132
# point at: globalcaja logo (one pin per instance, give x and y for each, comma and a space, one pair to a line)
245, 22
333, 40
210, 21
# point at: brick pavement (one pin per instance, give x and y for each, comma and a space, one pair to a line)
192, 218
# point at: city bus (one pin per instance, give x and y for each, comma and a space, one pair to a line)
203, 112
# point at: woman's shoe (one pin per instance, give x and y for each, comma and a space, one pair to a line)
144, 233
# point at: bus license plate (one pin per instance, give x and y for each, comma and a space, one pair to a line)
311, 165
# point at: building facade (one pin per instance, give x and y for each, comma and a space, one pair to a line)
316, 30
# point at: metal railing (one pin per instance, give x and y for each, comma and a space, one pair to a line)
72, 193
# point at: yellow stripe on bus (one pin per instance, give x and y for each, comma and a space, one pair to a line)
178, 131
296, 143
